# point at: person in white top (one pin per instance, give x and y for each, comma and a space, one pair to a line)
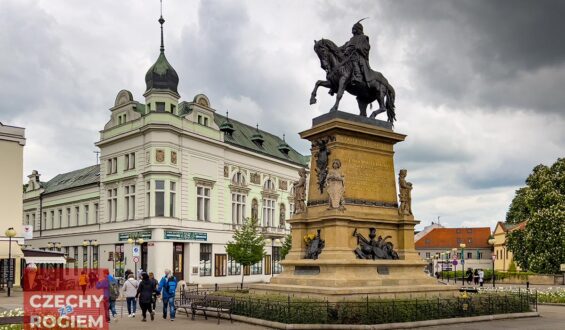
130, 291
481, 277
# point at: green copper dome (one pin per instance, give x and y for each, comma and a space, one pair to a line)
162, 75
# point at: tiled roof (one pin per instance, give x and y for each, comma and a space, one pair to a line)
84, 176
447, 238
241, 137
512, 226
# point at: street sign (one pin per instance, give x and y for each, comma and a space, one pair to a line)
135, 259
454, 262
136, 251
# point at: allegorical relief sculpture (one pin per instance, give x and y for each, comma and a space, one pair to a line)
347, 69
335, 185
322, 160
374, 248
254, 209
314, 247
405, 194
300, 192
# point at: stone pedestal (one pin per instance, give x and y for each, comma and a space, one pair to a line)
365, 150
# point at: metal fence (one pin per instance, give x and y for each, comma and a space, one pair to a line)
367, 310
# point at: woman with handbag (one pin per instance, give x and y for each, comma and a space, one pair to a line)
145, 292
130, 291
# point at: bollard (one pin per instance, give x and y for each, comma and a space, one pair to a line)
528, 285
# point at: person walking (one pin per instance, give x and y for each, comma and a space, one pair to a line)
481, 277
167, 289
92, 278
111, 293
145, 292
83, 282
127, 273
130, 291
155, 292
476, 277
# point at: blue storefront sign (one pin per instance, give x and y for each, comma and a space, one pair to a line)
185, 236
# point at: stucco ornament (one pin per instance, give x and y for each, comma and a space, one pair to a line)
160, 155
335, 186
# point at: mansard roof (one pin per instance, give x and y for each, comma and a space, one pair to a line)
78, 178
243, 133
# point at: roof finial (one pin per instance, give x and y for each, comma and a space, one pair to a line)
283, 138
257, 127
227, 115
161, 21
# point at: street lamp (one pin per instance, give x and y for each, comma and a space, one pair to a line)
134, 241
462, 246
454, 250
491, 242
447, 254
10, 232
54, 245
92, 243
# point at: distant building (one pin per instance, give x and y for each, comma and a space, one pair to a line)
176, 175
12, 142
439, 240
504, 257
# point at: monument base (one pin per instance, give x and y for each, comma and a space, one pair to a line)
350, 279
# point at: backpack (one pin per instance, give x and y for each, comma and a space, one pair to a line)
114, 289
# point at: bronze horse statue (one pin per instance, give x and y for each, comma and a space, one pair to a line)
339, 79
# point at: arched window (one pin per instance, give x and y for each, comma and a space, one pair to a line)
238, 179
269, 185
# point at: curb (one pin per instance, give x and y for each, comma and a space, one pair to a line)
402, 325
551, 304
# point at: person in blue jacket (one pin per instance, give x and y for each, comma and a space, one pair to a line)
167, 289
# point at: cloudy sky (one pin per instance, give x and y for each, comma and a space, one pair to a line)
480, 84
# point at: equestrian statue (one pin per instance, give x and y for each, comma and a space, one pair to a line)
347, 69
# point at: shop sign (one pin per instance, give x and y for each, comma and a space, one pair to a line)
185, 236
146, 235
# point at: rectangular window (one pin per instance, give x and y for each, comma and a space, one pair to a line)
77, 215
277, 256
52, 219
112, 204
109, 166
159, 198
60, 221
469, 255
257, 268
172, 199
173, 108
85, 214
68, 216
75, 256
33, 220
268, 212
126, 161
94, 256
129, 199
238, 208
220, 264
119, 260
200, 119
205, 259
85, 257
234, 268
203, 203
205, 121
44, 221
27, 219
160, 106
291, 209
131, 161
148, 199
96, 213
428, 255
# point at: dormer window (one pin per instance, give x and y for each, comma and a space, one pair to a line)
160, 106
202, 120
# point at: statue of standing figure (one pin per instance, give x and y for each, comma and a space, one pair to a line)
335, 185
300, 192
405, 194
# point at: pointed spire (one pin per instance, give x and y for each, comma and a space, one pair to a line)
257, 137
284, 147
162, 21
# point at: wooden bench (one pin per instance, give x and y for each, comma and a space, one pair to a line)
187, 299
217, 304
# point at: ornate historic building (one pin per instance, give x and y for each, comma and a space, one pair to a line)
175, 178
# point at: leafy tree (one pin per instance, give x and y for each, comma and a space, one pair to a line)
248, 245
540, 246
287, 245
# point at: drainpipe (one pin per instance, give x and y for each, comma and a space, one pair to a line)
40, 213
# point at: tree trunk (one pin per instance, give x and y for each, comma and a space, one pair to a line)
242, 277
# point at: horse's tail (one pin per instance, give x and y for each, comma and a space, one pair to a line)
390, 96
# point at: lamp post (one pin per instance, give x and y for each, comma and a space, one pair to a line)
92, 243
454, 250
493, 257
441, 259
134, 241
447, 254
10, 232
54, 245
462, 246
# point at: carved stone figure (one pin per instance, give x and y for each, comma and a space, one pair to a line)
315, 247
282, 216
283, 185
300, 192
160, 155
347, 69
255, 178
173, 157
226, 171
374, 248
335, 186
254, 209
405, 195
322, 161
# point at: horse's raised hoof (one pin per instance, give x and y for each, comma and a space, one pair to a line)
312, 100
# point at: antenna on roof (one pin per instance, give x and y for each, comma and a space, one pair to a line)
97, 156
